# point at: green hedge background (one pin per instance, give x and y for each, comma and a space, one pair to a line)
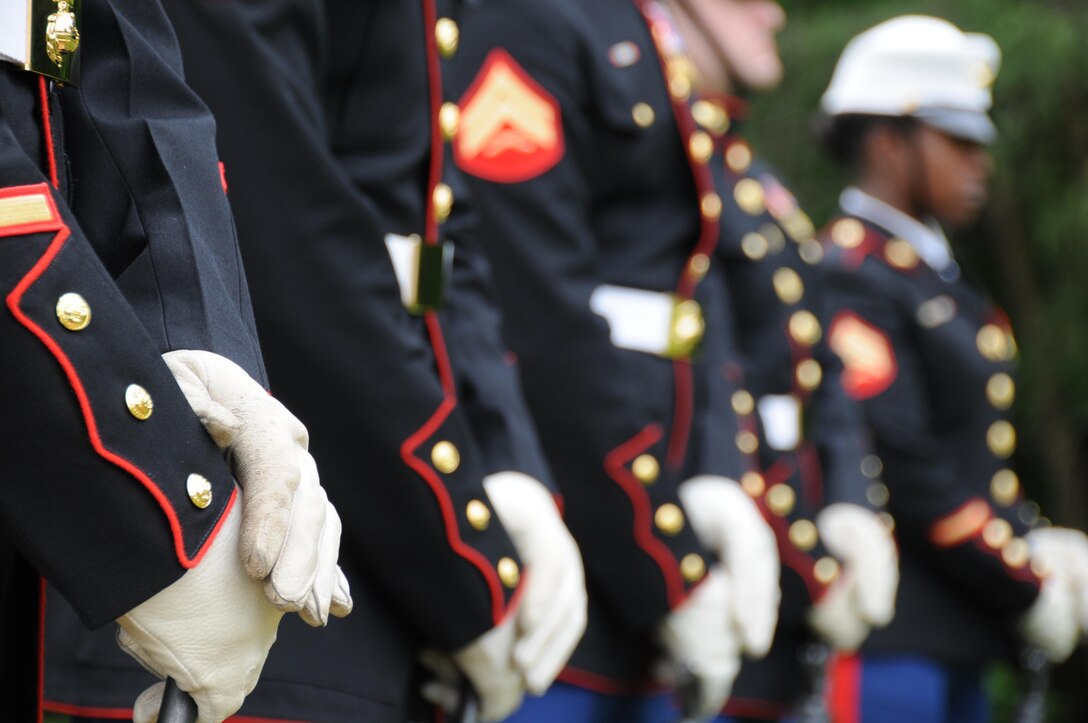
1030, 250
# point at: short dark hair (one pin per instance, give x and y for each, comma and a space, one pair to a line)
844, 135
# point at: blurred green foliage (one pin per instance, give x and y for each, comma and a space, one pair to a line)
1030, 250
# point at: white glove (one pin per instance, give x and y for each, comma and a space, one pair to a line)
1066, 548
863, 596
488, 663
210, 631
552, 615
1053, 622
290, 532
702, 642
727, 521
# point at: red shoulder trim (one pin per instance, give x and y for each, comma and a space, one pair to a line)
511, 127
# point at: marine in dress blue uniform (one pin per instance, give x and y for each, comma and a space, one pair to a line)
598, 198
115, 246
330, 148
932, 360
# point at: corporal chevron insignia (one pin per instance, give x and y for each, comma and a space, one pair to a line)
511, 128
869, 365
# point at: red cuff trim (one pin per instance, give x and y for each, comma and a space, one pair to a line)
13, 301
754, 708
445, 503
964, 524
615, 465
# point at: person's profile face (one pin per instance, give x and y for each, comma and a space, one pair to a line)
956, 176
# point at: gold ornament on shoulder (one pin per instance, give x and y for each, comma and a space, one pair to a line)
61, 33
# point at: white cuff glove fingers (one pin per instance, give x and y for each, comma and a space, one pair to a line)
1051, 622
147, 706
301, 565
190, 372
342, 603
488, 663
269, 509
860, 539
551, 639
700, 638
727, 521
837, 616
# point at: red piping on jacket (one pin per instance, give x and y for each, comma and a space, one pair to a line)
614, 463
47, 131
13, 301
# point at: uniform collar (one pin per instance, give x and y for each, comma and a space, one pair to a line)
927, 239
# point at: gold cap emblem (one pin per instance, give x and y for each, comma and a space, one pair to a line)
61, 33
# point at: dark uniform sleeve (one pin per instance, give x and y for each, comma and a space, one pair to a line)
941, 508
372, 383
488, 383
597, 407
113, 487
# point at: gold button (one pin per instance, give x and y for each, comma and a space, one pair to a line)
809, 374
743, 403
871, 466
776, 240
669, 519
1016, 553
646, 469
877, 494
747, 442
781, 499
479, 516
443, 202
805, 327
508, 572
825, 570
699, 265
447, 35
711, 116
692, 567
199, 489
685, 330
754, 245
73, 312
1004, 487
811, 251
445, 457
997, 533
1001, 439
752, 483
679, 86
799, 225
749, 196
738, 157
900, 254
888, 520
701, 146
848, 233
711, 206
1001, 390
803, 535
788, 285
449, 119
643, 115
139, 402
992, 343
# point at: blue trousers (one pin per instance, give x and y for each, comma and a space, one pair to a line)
907, 689
565, 703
